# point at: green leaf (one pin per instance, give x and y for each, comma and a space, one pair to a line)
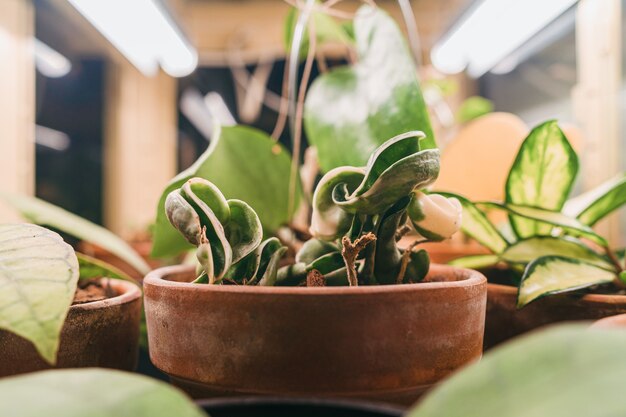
393, 171
599, 202
527, 250
92, 393
271, 254
557, 274
542, 176
95, 268
245, 164
326, 30
46, 214
243, 229
476, 224
568, 224
329, 221
313, 249
38, 276
563, 371
351, 110
475, 261
472, 108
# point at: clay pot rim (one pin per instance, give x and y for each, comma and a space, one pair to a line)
600, 298
156, 278
128, 292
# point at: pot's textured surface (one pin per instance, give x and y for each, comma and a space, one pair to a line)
505, 321
100, 333
377, 342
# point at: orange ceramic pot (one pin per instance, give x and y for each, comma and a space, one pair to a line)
388, 343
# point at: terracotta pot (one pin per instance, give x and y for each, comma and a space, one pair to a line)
444, 252
301, 407
101, 333
387, 343
505, 321
613, 322
143, 248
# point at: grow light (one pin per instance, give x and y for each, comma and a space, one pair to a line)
49, 62
490, 31
143, 32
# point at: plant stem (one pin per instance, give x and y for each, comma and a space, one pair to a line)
406, 258
614, 260
350, 252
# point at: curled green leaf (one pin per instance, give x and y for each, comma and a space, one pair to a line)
393, 171
224, 231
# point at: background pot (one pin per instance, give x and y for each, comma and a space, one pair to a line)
385, 343
290, 407
101, 333
505, 321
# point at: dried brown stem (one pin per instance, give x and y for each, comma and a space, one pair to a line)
402, 231
406, 258
315, 279
281, 121
351, 251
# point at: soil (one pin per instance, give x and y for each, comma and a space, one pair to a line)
89, 290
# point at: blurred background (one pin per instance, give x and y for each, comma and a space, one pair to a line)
103, 102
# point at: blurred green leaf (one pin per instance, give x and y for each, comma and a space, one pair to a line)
41, 212
95, 268
476, 224
550, 275
92, 392
527, 250
542, 176
472, 108
245, 164
475, 261
38, 277
326, 30
599, 202
568, 224
351, 110
563, 371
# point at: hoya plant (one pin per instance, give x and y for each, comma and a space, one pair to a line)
347, 112
548, 236
40, 274
359, 214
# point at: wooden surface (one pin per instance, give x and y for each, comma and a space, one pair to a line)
596, 97
17, 101
140, 146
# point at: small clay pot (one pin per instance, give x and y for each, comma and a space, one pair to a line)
505, 321
300, 407
96, 334
387, 343
613, 322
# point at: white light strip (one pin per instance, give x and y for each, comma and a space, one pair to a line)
490, 31
51, 138
49, 62
143, 32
